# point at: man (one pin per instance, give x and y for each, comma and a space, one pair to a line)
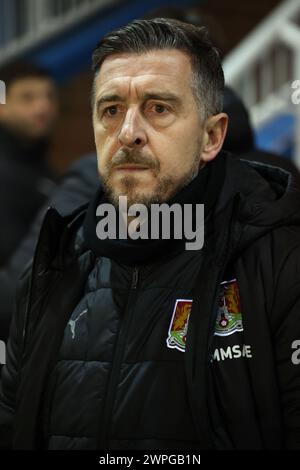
26, 121
121, 343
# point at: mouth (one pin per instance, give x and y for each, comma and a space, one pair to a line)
131, 167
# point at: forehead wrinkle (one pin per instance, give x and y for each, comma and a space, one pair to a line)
118, 88
153, 64
128, 76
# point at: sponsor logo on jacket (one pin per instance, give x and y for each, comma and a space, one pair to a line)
232, 352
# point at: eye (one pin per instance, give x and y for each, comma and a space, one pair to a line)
160, 108
110, 111
27, 97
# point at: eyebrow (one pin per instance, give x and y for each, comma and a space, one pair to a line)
165, 96
107, 99
170, 97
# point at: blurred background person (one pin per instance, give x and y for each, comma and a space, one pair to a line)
240, 139
26, 123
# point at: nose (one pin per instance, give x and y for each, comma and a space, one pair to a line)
132, 132
43, 105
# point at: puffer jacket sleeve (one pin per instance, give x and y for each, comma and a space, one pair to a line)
11, 370
286, 334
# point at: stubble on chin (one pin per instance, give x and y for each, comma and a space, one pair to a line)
165, 188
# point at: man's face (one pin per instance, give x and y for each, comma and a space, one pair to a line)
147, 125
31, 107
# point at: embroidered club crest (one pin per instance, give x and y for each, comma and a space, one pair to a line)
179, 323
229, 318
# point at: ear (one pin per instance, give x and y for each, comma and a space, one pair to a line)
215, 129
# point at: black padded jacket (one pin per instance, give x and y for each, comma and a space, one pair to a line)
198, 350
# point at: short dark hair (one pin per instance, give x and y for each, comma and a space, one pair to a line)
142, 36
19, 70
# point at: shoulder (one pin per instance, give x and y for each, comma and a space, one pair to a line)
275, 249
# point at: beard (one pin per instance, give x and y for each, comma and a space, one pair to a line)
165, 188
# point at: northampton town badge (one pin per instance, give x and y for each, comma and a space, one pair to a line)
179, 323
229, 319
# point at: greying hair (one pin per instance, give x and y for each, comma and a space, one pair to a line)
142, 36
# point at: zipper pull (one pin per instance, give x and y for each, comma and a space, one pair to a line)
135, 278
